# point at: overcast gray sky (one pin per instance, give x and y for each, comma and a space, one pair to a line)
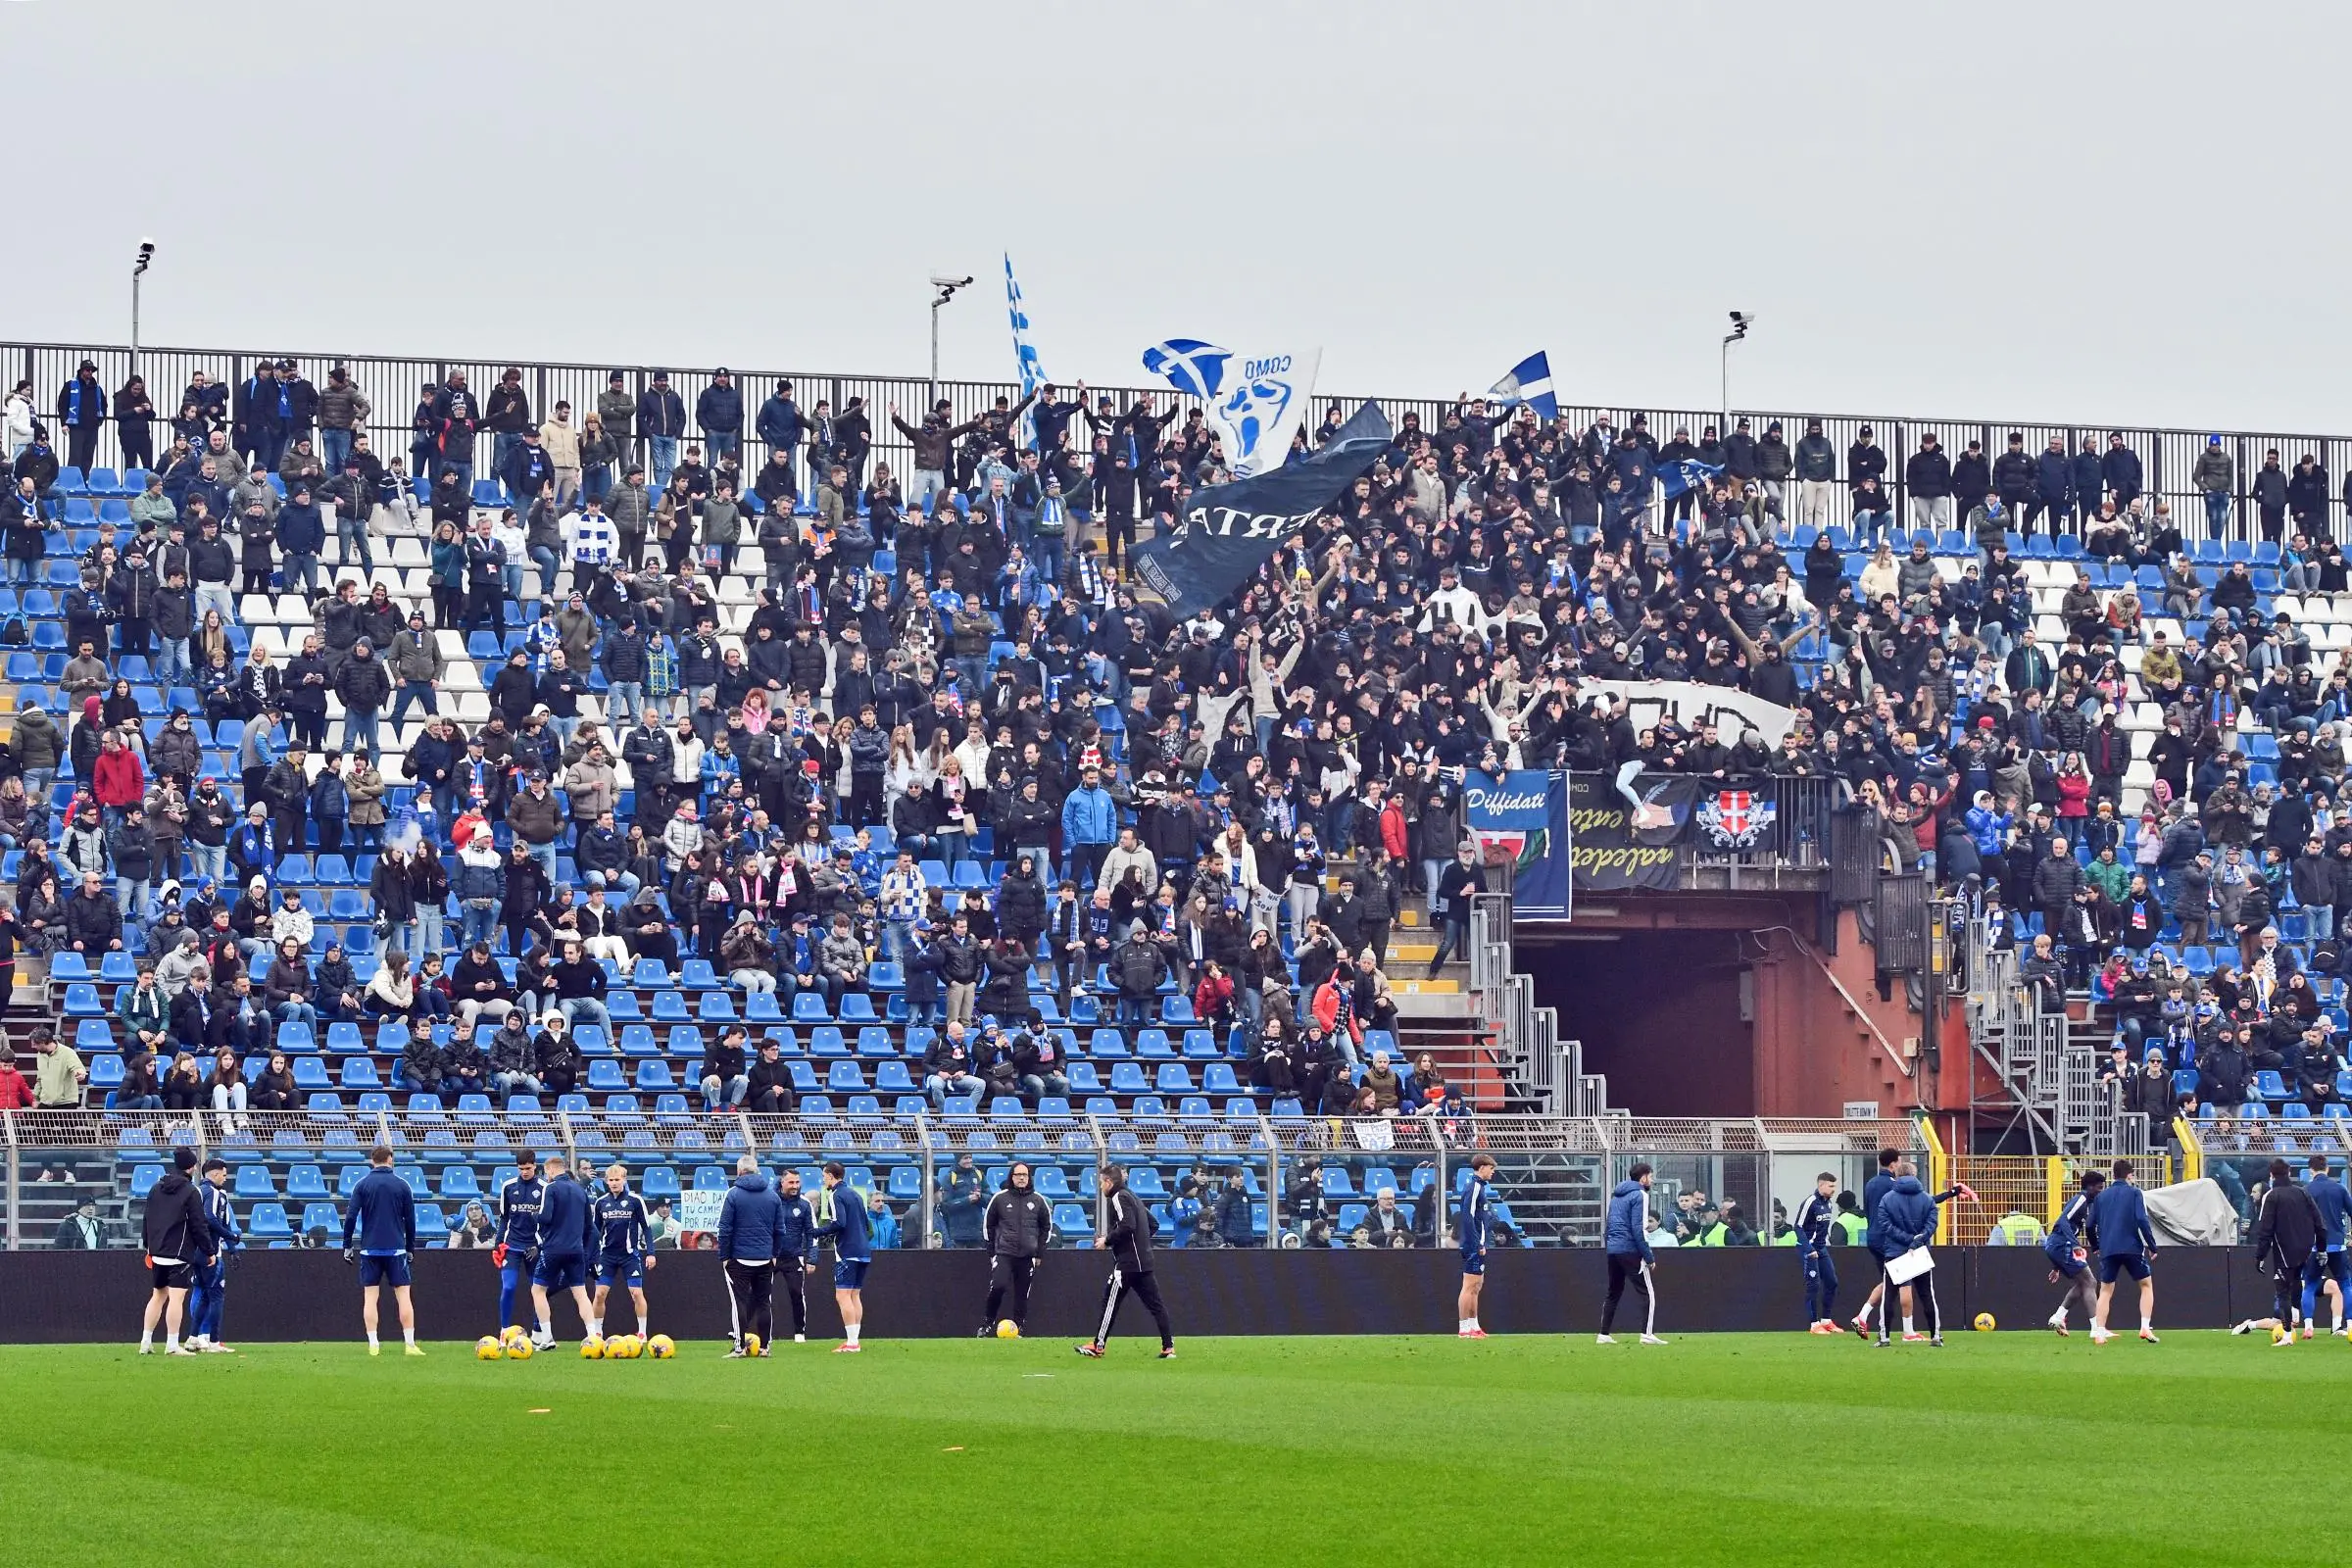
2095, 212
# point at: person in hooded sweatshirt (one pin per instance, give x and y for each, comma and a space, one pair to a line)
179, 1241
751, 1242
2119, 1218
1626, 1236
1904, 1220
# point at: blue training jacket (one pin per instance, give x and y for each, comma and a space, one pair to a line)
2119, 1216
563, 1219
382, 1216
1871, 1191
518, 1214
2335, 1205
751, 1222
1906, 1218
2067, 1232
851, 1242
1626, 1230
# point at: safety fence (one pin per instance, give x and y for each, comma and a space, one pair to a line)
392, 382
79, 1178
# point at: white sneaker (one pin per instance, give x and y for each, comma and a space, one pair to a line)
800, 1338
1602, 1339
2100, 1336
2247, 1327
1652, 1338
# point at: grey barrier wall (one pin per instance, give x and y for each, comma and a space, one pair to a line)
96, 1296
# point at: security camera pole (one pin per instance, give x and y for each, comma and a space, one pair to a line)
947, 287
1742, 320
138, 269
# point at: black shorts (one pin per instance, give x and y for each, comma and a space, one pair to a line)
170, 1276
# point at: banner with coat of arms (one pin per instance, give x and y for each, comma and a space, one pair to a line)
1628, 830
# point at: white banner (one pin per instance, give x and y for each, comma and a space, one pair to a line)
1256, 403
697, 1208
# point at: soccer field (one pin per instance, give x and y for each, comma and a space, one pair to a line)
2011, 1447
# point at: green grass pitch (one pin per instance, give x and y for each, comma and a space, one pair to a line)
2009, 1449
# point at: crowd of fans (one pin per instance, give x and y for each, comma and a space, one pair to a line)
2124, 764
935, 734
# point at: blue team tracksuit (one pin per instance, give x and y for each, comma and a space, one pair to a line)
563, 1236
1816, 1223
381, 1221
212, 1282
518, 1232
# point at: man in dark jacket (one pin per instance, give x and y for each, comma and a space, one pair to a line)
751, 1244
2287, 1230
720, 411
1126, 1234
1017, 1228
1904, 1222
1929, 478
179, 1241
964, 1205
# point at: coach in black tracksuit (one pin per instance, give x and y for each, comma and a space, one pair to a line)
2286, 1230
1127, 1235
1016, 1228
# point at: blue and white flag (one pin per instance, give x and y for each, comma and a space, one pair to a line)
1025, 353
1689, 475
1256, 403
1529, 382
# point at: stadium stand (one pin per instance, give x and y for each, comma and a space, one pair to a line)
2016, 642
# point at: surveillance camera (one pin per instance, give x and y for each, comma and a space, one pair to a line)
1742, 319
146, 244
938, 282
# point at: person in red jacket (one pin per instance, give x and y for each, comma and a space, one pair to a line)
15, 1093
118, 779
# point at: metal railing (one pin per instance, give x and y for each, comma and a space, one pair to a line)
1548, 1069
391, 382
290, 1169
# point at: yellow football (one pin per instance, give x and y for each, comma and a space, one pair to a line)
1985, 1323
2282, 1336
487, 1349
519, 1347
631, 1346
592, 1348
511, 1333
751, 1344
1007, 1328
662, 1347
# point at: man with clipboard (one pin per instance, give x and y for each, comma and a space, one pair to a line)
1900, 1229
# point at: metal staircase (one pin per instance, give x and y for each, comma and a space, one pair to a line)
2046, 1068
1543, 1074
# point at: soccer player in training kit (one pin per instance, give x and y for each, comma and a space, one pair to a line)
1016, 1228
624, 1252
1625, 1236
209, 1295
1127, 1236
178, 1240
565, 1239
1871, 1191
2327, 1271
1816, 1226
2068, 1248
379, 1229
1470, 1233
516, 1241
750, 1243
852, 1254
2288, 1232
2118, 1218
